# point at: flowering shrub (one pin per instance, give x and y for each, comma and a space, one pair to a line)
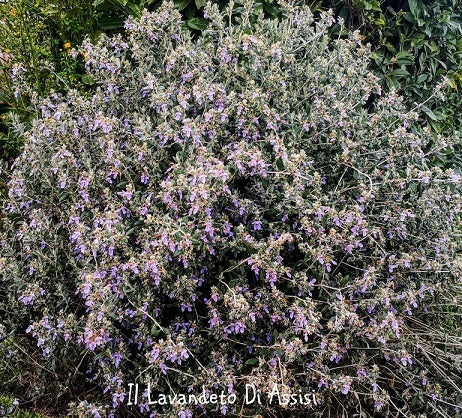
241, 209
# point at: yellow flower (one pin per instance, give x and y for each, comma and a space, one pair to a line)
14, 11
67, 45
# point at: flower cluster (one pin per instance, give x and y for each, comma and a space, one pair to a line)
244, 208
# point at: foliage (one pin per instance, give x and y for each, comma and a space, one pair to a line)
246, 207
38, 35
8, 408
7, 405
415, 44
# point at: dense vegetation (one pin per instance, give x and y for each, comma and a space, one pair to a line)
414, 44
231, 196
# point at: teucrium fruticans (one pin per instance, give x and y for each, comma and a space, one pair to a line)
242, 208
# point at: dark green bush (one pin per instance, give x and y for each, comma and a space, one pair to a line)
415, 44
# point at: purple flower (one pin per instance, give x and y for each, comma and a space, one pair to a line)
144, 178
257, 225
116, 357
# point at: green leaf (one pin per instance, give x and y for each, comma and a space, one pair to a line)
133, 10
251, 362
433, 46
344, 13
86, 79
271, 9
380, 21
429, 113
418, 39
280, 164
416, 8
155, 331
421, 78
104, 7
404, 58
459, 44
392, 82
190, 11
200, 3
399, 73
107, 23
182, 4
94, 36
344, 280
390, 47
404, 54
258, 7
197, 23
374, 5
435, 126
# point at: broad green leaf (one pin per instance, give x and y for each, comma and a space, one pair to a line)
421, 78
416, 8
380, 21
433, 46
271, 9
94, 36
429, 113
374, 5
133, 10
404, 58
275, 335
182, 4
344, 280
392, 82
435, 125
86, 79
452, 83
197, 23
155, 331
344, 13
390, 47
377, 56
105, 6
427, 29
200, 3
404, 54
190, 11
399, 73
418, 39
